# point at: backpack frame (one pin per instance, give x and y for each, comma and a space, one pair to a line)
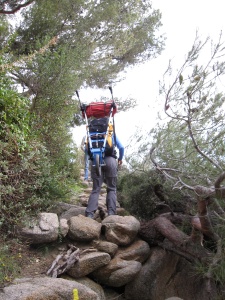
99, 130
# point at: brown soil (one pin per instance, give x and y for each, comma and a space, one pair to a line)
31, 260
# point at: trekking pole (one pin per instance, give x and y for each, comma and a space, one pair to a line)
113, 106
81, 107
111, 91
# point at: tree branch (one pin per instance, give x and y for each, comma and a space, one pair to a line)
16, 8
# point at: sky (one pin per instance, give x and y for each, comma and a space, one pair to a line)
180, 21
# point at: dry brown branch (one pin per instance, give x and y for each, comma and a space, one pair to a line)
206, 226
64, 262
197, 236
156, 230
161, 170
220, 192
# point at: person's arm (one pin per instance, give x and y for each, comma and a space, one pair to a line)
120, 146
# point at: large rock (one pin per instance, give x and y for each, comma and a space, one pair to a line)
165, 275
117, 273
105, 246
97, 288
43, 230
83, 229
88, 263
121, 230
139, 251
45, 288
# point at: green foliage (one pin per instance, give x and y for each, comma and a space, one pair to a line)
31, 182
187, 146
9, 266
144, 194
94, 42
4, 32
218, 271
30, 177
14, 114
191, 142
138, 196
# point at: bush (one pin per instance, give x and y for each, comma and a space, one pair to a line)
31, 180
9, 267
146, 194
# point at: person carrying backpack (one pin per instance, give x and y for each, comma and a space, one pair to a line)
109, 176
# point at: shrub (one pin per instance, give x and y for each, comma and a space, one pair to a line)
145, 194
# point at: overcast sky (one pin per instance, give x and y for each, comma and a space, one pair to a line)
180, 21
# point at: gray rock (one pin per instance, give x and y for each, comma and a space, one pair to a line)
83, 229
117, 273
46, 230
166, 274
97, 288
138, 251
121, 230
40, 288
88, 263
105, 246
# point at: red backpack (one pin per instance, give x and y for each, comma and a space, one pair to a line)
99, 109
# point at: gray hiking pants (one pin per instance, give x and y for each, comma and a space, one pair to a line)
109, 176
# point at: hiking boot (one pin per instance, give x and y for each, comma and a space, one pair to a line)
89, 215
111, 213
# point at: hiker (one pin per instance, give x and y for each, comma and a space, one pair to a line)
109, 176
84, 148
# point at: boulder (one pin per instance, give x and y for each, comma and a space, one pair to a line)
117, 273
88, 263
138, 251
43, 230
83, 229
97, 288
120, 230
165, 275
43, 288
105, 246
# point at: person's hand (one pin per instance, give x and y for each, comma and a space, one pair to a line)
120, 162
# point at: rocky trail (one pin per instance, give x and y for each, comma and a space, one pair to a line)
67, 256
32, 260
35, 260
